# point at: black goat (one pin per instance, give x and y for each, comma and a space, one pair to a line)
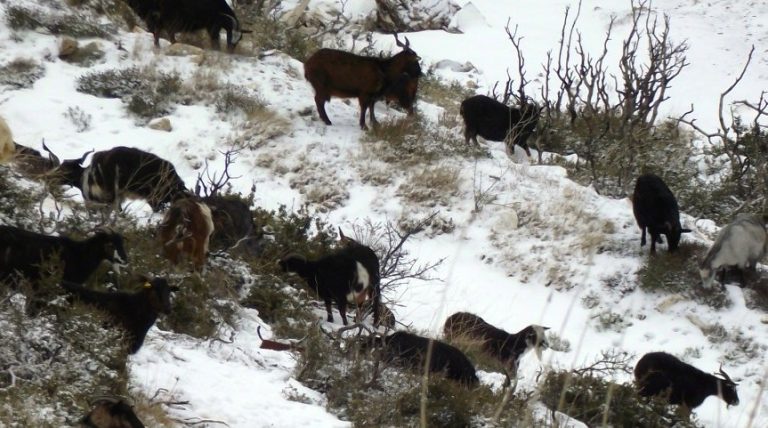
111, 412
659, 373
122, 172
655, 209
233, 225
22, 252
336, 277
182, 16
410, 351
494, 121
497, 343
334, 73
370, 261
134, 312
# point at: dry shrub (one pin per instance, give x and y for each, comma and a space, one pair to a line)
431, 186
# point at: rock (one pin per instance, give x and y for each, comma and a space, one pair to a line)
162, 124
181, 49
670, 301
67, 47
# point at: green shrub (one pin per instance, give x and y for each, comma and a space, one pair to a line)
598, 402
148, 93
71, 24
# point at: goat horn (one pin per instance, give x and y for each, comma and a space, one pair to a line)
399, 43
53, 158
82, 159
725, 375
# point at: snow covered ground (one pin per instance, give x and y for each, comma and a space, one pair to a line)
530, 257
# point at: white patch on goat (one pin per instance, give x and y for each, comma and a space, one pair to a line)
540, 340
208, 218
363, 282
7, 146
92, 192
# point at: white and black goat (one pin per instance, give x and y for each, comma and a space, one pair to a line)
368, 258
134, 312
662, 374
740, 244
337, 277
507, 348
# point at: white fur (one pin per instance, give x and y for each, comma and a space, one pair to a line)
206, 210
7, 146
363, 279
742, 243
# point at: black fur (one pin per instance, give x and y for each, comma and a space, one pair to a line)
22, 252
232, 222
410, 350
368, 258
332, 277
655, 209
494, 121
183, 16
659, 373
121, 172
111, 414
134, 312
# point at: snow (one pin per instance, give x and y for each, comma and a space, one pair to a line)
529, 257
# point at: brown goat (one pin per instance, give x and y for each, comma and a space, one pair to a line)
334, 73
186, 231
111, 412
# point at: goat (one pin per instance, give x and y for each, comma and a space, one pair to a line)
659, 373
31, 163
336, 277
7, 146
111, 412
494, 121
507, 348
177, 16
120, 173
134, 312
370, 261
655, 209
411, 351
186, 231
742, 243
22, 252
334, 73
232, 223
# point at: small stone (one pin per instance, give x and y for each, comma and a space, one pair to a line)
67, 47
162, 124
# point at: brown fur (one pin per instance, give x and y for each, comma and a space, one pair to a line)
334, 73
185, 232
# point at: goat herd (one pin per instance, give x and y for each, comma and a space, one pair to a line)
349, 275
